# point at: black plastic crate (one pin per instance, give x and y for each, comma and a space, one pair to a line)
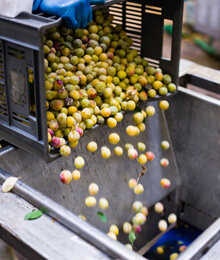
144, 23
21, 54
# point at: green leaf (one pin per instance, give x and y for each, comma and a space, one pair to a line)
44, 210
68, 45
137, 109
131, 237
33, 214
102, 216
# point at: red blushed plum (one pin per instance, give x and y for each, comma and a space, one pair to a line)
181, 248
92, 104
143, 81
159, 76
164, 162
150, 155
137, 229
66, 176
51, 132
62, 141
143, 96
58, 84
91, 92
55, 142
56, 104
132, 153
130, 71
79, 130
165, 183
110, 55
62, 93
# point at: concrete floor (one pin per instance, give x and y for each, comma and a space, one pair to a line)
192, 52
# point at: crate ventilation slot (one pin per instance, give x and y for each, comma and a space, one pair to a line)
152, 62
51, 17
3, 105
133, 22
24, 120
153, 10
16, 53
1, 65
116, 11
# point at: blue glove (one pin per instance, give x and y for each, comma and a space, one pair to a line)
76, 13
36, 5
97, 2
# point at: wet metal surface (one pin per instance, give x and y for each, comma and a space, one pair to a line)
111, 175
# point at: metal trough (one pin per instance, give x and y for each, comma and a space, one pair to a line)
191, 125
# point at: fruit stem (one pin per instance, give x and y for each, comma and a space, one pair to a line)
144, 169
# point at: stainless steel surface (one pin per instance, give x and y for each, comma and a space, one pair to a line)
6, 150
213, 253
191, 125
68, 219
189, 67
194, 125
111, 175
202, 244
43, 238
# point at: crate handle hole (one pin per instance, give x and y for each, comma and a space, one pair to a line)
167, 48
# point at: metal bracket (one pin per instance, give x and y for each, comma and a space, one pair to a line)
5, 148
